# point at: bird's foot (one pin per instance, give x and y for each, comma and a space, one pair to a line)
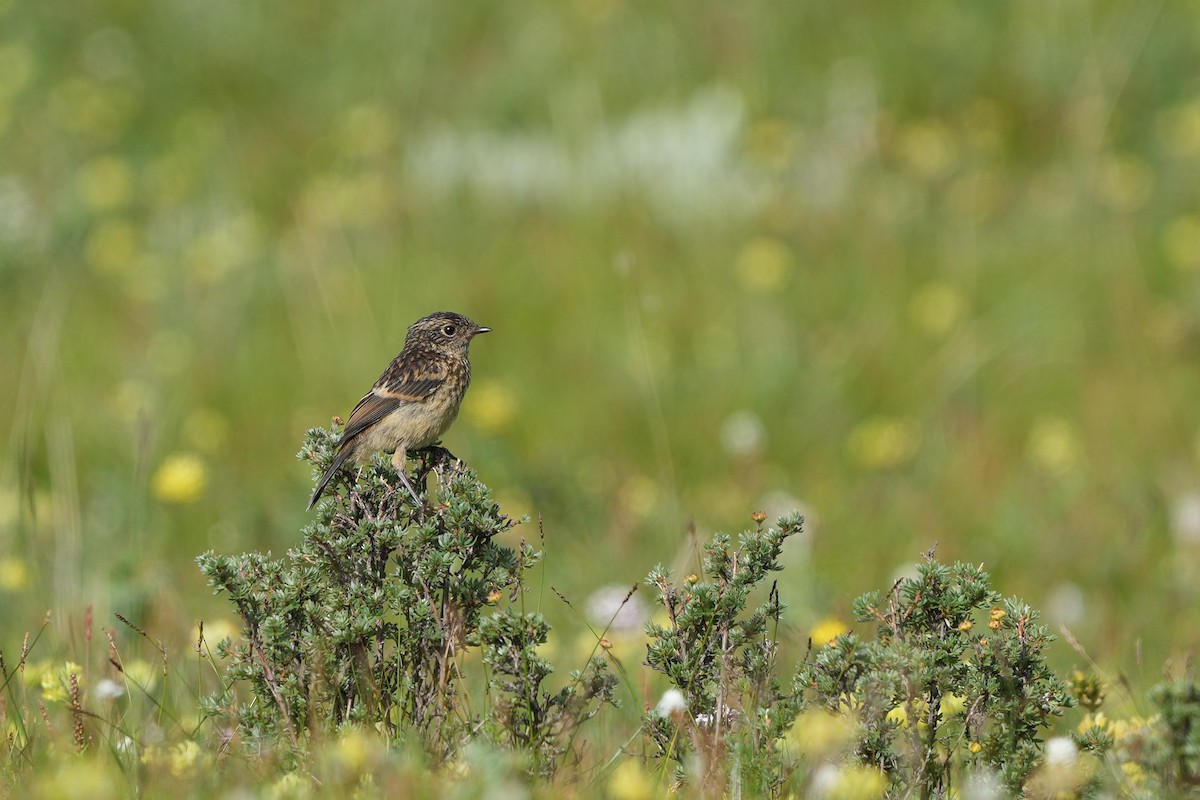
436, 459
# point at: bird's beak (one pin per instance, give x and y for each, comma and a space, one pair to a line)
480, 330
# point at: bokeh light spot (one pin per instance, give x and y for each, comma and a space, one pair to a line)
1181, 243
883, 442
491, 406
936, 308
180, 479
1054, 446
106, 183
763, 264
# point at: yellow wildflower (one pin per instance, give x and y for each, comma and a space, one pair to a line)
186, 758
630, 781
290, 786
847, 782
1133, 772
222, 628
142, 673
818, 732
827, 630
355, 750
93, 778
56, 683
180, 479
952, 705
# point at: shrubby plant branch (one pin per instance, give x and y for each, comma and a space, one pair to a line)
366, 623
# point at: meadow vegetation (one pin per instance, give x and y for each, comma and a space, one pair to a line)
924, 273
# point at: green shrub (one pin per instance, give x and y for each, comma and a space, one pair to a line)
367, 620
954, 681
721, 659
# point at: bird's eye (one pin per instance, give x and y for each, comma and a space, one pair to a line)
449, 330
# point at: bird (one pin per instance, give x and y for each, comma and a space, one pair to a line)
415, 399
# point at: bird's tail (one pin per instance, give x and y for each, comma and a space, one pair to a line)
342, 455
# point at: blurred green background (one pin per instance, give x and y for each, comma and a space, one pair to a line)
929, 271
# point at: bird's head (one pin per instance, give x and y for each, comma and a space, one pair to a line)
443, 331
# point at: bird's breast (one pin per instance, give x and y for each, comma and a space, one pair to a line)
413, 425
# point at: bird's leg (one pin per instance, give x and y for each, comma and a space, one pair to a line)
423, 467
398, 459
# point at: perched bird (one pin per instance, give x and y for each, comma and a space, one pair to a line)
415, 399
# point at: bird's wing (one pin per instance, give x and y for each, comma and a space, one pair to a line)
409, 380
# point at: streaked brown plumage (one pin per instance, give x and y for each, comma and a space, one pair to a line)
415, 399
